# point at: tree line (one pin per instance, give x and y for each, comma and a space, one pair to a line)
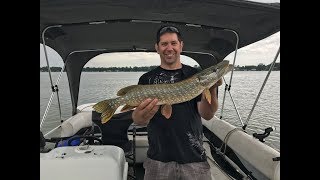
260, 67
104, 69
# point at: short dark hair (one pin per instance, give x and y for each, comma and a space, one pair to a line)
170, 29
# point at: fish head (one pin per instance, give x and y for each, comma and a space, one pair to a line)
211, 75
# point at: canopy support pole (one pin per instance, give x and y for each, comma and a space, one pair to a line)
264, 83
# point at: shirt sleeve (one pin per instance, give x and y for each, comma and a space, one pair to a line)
142, 80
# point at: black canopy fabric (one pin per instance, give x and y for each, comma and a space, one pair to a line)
88, 28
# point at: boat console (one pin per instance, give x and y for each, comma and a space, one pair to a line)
83, 163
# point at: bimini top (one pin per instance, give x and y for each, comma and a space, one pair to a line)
84, 29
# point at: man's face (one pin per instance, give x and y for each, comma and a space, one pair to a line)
169, 48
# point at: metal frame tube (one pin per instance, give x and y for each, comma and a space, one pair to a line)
54, 88
235, 107
227, 87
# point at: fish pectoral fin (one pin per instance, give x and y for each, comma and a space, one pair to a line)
124, 90
127, 108
207, 95
166, 110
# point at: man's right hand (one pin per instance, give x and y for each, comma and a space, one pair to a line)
145, 111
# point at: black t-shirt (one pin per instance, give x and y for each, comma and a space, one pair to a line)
178, 138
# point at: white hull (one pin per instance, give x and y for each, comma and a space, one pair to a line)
257, 154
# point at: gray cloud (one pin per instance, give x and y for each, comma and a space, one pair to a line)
263, 51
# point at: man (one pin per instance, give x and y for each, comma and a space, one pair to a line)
175, 144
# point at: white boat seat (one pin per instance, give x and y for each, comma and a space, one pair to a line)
72, 125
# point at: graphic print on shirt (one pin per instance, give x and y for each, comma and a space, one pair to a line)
195, 142
165, 77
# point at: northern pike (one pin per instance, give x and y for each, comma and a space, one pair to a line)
167, 94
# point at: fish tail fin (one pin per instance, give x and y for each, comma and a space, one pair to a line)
107, 108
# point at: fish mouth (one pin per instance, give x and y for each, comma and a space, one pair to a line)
222, 65
220, 68
212, 74
224, 69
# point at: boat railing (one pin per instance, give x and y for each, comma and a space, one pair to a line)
228, 86
54, 88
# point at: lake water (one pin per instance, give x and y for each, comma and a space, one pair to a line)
95, 86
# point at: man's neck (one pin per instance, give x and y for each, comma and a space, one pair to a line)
171, 66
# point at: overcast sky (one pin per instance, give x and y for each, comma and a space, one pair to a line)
262, 51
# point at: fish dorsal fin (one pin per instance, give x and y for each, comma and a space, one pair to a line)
124, 90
